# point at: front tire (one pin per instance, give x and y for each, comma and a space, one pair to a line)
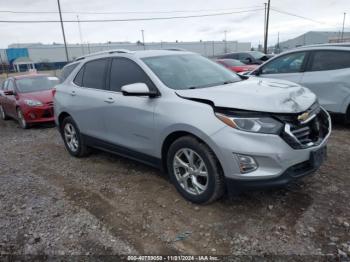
72, 138
21, 120
3, 113
195, 171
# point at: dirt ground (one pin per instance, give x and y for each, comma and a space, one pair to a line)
54, 204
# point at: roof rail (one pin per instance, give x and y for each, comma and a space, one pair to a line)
175, 49
111, 51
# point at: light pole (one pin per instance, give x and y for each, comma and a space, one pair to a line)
143, 39
81, 36
64, 36
342, 31
225, 33
267, 27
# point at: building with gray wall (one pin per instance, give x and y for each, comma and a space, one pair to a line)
312, 38
55, 53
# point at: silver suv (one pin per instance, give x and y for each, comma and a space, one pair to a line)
324, 69
209, 129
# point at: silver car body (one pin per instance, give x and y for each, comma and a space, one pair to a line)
332, 87
143, 124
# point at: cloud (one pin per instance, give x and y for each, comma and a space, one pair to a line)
242, 27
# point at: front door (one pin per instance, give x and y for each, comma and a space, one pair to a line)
129, 119
10, 100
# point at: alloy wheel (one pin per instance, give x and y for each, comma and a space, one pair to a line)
190, 171
71, 138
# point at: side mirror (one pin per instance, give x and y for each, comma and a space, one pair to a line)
257, 71
138, 89
247, 60
9, 93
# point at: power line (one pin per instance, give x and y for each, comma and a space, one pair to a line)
295, 15
126, 12
130, 19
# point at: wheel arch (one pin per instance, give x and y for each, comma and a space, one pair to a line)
173, 136
61, 117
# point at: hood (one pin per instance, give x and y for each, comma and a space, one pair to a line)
255, 94
44, 97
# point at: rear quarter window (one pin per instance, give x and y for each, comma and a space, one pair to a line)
67, 70
330, 60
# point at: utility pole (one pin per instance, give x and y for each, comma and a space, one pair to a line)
143, 39
278, 42
267, 26
64, 36
81, 36
265, 7
342, 31
225, 32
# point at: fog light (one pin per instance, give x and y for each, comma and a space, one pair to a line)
246, 164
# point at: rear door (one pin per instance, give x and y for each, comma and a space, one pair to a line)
87, 98
287, 67
328, 76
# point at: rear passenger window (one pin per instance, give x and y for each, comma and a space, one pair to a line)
125, 72
330, 60
94, 74
67, 70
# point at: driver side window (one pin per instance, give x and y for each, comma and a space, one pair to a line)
291, 63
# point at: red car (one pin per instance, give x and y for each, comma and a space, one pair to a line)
236, 65
28, 98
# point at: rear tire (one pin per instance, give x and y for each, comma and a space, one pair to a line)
199, 180
73, 139
21, 120
3, 113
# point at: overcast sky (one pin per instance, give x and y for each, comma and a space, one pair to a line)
245, 26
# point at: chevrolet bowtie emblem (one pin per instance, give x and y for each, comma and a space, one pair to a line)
303, 117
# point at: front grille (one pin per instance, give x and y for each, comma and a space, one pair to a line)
310, 132
47, 113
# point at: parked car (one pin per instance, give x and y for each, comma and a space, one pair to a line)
28, 98
236, 65
324, 69
208, 128
248, 58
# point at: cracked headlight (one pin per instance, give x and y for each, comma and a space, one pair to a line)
30, 102
266, 125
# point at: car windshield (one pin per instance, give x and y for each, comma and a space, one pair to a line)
35, 84
257, 54
189, 71
231, 62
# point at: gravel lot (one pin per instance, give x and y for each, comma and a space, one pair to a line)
55, 204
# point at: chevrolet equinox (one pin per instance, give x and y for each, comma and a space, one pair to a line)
209, 129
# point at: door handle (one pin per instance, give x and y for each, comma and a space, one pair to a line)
110, 100
72, 93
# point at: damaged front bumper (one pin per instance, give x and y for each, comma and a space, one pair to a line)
279, 159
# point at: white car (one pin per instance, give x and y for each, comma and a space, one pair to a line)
324, 69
